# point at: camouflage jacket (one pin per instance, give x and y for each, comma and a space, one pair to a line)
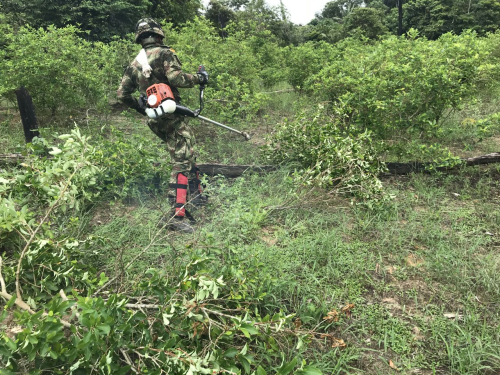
166, 69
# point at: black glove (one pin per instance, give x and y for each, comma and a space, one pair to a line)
202, 75
142, 111
141, 104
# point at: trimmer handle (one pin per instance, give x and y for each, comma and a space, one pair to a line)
202, 73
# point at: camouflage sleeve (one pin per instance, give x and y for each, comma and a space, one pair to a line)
174, 73
126, 89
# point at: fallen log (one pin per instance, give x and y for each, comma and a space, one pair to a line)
11, 158
415, 167
233, 170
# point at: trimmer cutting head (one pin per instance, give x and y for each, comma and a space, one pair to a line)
246, 136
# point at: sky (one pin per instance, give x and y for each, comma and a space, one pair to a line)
301, 11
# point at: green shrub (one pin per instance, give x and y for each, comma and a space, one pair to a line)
306, 61
401, 84
234, 77
328, 155
63, 72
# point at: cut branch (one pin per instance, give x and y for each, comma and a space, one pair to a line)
19, 302
33, 235
231, 170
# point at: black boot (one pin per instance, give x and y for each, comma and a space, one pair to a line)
197, 198
180, 224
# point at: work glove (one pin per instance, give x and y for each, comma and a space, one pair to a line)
202, 75
142, 111
141, 104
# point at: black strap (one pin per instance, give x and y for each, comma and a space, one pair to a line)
186, 212
189, 216
178, 186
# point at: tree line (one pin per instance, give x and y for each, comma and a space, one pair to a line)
105, 20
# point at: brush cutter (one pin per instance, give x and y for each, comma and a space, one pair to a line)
160, 101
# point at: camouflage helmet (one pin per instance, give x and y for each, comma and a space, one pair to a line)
147, 25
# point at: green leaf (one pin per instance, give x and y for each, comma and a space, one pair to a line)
287, 368
245, 363
261, 371
33, 340
11, 344
309, 370
75, 366
230, 353
105, 328
45, 349
250, 329
11, 302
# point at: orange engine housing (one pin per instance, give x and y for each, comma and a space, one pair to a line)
158, 93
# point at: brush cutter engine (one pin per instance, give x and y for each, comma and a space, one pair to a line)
160, 100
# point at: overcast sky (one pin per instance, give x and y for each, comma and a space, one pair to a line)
301, 11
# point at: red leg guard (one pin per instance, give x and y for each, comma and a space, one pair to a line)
181, 195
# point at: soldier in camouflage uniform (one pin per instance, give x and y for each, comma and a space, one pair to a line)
173, 129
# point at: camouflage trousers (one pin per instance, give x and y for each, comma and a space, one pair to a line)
179, 138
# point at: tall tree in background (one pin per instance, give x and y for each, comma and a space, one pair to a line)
365, 21
436, 17
220, 14
174, 11
339, 9
101, 19
400, 17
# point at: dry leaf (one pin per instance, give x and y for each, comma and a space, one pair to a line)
338, 343
414, 261
332, 316
417, 336
392, 365
298, 323
347, 309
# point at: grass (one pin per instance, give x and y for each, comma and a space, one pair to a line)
423, 271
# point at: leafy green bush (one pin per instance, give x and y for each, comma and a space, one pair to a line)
307, 60
328, 155
234, 78
401, 84
63, 72
131, 165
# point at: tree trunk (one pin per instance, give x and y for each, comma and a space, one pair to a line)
400, 17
